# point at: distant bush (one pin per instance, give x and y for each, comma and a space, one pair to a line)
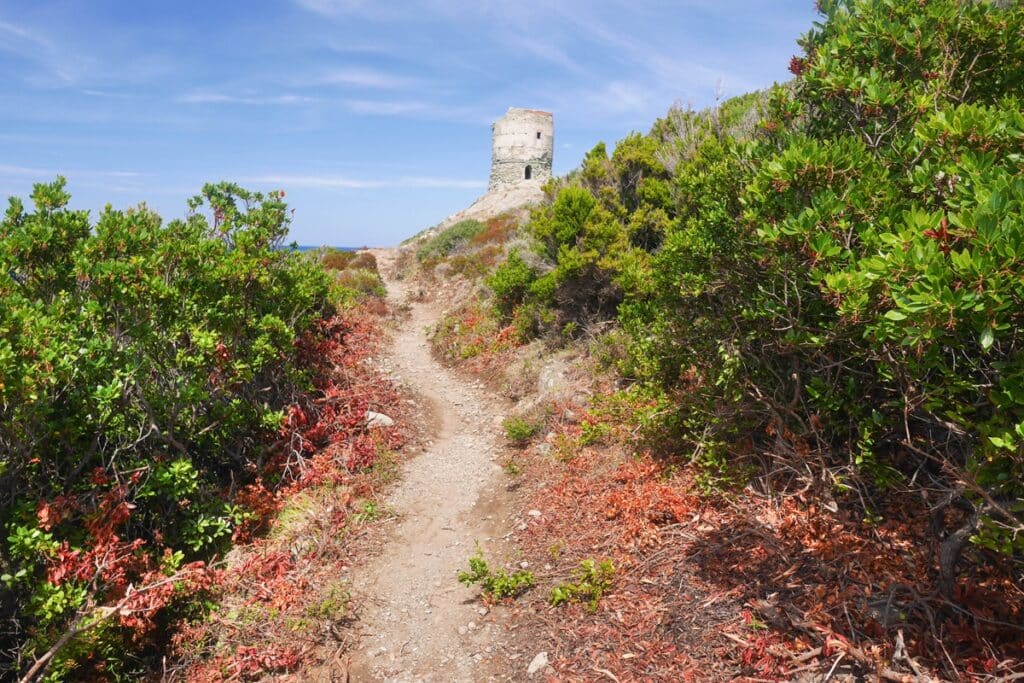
362, 282
356, 274
497, 230
448, 240
477, 263
364, 260
336, 259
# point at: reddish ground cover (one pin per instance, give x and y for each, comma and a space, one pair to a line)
740, 585
281, 600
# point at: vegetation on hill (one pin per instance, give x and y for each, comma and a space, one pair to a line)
157, 383
823, 282
839, 283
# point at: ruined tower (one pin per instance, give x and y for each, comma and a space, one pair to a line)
522, 143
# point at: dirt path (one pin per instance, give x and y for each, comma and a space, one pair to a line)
418, 622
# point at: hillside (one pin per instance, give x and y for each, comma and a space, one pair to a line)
785, 336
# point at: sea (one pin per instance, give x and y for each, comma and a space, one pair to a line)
311, 247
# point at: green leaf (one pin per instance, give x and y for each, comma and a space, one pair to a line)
895, 315
986, 338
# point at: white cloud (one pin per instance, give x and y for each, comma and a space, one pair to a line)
222, 98
367, 78
23, 34
545, 50
333, 8
11, 170
325, 182
34, 47
387, 107
419, 109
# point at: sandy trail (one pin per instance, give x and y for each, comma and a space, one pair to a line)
418, 623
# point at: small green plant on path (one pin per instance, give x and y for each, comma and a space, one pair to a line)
593, 580
495, 585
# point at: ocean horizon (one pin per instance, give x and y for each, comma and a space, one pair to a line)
312, 247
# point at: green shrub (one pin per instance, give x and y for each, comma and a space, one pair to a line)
593, 580
362, 282
497, 585
510, 282
444, 243
142, 365
828, 271
519, 430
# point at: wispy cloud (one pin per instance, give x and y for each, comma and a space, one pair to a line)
223, 98
10, 170
34, 47
387, 107
420, 109
347, 183
368, 78
22, 33
367, 8
544, 50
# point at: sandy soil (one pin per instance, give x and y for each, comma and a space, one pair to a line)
417, 622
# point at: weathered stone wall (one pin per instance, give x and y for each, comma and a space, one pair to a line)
521, 139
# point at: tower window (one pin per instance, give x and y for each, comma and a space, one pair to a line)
538, 135
529, 172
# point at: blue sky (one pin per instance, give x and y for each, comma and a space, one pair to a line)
373, 115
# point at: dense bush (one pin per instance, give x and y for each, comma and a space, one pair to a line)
145, 370
829, 273
355, 271
450, 239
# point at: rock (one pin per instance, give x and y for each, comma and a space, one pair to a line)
524, 565
534, 513
539, 663
551, 380
377, 420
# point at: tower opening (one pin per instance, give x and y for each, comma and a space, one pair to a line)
538, 135
529, 172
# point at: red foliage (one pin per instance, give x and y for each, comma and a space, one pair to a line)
742, 586
324, 440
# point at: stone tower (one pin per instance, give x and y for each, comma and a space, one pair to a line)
522, 143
